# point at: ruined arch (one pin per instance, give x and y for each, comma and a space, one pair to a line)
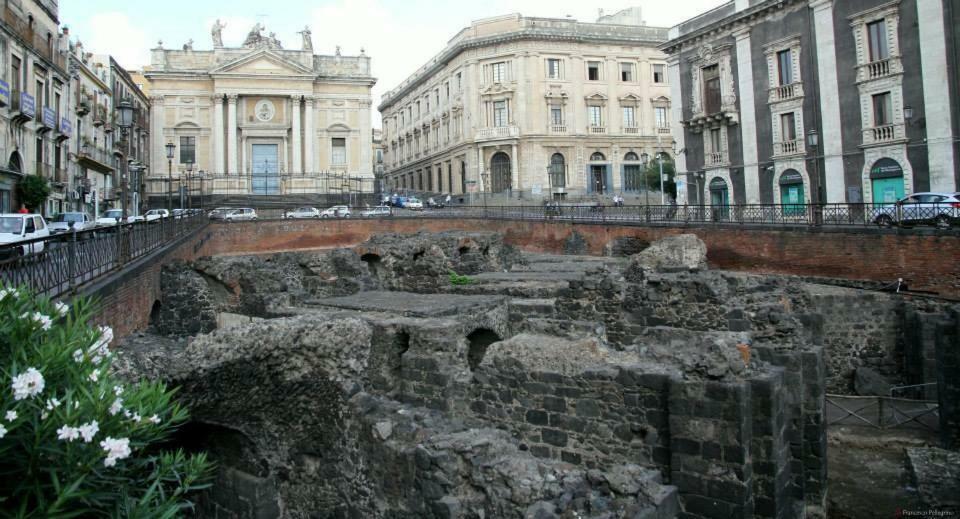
479, 340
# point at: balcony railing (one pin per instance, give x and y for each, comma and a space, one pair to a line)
631, 130
597, 130
879, 69
37, 40
882, 134
718, 158
788, 148
500, 132
785, 92
558, 128
665, 130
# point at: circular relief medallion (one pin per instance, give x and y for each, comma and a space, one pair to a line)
265, 110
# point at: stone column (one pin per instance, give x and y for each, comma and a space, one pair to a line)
748, 124
159, 152
296, 165
831, 134
936, 96
232, 135
309, 135
480, 181
614, 113
365, 168
218, 136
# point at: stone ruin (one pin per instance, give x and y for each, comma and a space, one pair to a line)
371, 382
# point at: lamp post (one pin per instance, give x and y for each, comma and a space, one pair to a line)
125, 111
645, 158
189, 174
813, 142
660, 160
171, 147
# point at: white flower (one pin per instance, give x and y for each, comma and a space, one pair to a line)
78, 356
28, 384
11, 292
45, 322
68, 433
89, 430
95, 375
116, 407
116, 449
52, 403
3, 431
62, 308
118, 390
155, 419
11, 416
127, 413
136, 418
44, 415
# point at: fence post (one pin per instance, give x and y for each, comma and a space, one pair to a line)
72, 260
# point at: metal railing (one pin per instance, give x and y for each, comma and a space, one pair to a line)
58, 264
882, 412
817, 215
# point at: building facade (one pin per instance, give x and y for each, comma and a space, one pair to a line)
800, 101
135, 146
34, 93
531, 108
258, 119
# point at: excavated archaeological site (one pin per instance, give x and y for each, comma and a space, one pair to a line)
453, 376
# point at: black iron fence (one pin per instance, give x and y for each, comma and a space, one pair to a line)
882, 215
56, 265
882, 412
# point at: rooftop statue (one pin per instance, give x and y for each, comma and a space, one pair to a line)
256, 40
307, 39
216, 32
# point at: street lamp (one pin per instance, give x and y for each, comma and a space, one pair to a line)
189, 174
171, 147
645, 158
813, 141
125, 112
660, 160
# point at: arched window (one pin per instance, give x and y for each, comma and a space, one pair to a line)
558, 171
631, 156
500, 173
597, 157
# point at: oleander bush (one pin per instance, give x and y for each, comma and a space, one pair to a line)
75, 440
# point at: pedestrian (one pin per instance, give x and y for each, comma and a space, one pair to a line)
447, 200
23, 210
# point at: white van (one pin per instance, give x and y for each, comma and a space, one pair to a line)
15, 228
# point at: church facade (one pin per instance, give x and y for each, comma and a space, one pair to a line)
259, 119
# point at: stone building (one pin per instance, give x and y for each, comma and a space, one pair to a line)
530, 108
136, 147
33, 100
799, 101
94, 184
258, 119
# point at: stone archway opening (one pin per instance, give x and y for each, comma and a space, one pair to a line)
373, 262
479, 340
155, 312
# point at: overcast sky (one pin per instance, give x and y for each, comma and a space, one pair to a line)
399, 35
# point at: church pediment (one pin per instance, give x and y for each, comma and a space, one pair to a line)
265, 63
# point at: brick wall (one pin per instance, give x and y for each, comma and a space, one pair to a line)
926, 261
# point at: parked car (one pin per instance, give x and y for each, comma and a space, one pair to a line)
154, 215
380, 210
21, 227
303, 212
67, 222
113, 217
940, 209
220, 213
337, 211
240, 215
179, 213
414, 204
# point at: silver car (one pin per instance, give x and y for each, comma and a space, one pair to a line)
303, 212
240, 215
66, 222
940, 209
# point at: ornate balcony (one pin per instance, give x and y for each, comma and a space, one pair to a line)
785, 148
785, 93
718, 158
500, 132
664, 130
884, 134
597, 130
558, 129
631, 130
879, 69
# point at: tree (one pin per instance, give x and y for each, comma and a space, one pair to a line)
652, 175
76, 440
33, 191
